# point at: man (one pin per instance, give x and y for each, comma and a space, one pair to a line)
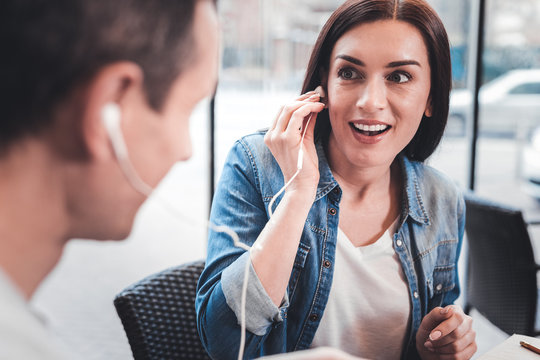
63, 62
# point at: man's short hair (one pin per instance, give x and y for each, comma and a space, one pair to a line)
49, 47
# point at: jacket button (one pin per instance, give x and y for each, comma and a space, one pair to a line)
438, 287
327, 264
313, 317
332, 211
399, 243
415, 294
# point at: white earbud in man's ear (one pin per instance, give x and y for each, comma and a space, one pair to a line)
111, 115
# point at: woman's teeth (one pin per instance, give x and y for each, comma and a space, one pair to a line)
370, 130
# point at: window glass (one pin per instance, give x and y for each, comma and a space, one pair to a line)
508, 167
525, 89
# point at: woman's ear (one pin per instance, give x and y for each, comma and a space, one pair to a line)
428, 112
322, 94
322, 88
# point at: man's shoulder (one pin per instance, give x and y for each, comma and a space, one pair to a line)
22, 334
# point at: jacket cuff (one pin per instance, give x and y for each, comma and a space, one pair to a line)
261, 312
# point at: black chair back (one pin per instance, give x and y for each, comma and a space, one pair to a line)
158, 314
501, 280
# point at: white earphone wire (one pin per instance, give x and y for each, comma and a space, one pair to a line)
299, 165
111, 115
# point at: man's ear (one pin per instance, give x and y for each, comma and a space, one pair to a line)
119, 83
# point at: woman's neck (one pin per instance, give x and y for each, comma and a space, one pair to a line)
364, 183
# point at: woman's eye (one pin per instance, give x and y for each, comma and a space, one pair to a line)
399, 77
348, 74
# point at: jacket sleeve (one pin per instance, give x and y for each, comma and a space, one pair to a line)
239, 205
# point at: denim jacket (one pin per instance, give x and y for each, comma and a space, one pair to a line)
428, 242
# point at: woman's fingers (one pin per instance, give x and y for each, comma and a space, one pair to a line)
309, 135
282, 120
278, 115
285, 140
453, 337
465, 354
433, 319
452, 328
457, 346
300, 98
457, 327
306, 95
292, 134
297, 118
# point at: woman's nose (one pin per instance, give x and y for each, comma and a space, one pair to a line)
373, 96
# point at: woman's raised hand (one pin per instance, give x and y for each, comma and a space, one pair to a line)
284, 140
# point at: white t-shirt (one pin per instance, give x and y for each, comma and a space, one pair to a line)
22, 334
368, 308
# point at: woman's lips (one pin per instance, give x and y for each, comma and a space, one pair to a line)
369, 132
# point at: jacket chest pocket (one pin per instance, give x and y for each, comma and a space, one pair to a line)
442, 281
299, 262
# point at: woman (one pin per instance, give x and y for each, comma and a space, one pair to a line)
361, 251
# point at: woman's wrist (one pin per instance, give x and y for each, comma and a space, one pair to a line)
303, 197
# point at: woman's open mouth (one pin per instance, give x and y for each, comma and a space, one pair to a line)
370, 130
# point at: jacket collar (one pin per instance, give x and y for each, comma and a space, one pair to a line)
413, 204
327, 183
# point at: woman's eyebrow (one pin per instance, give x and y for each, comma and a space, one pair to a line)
392, 64
351, 59
402, 63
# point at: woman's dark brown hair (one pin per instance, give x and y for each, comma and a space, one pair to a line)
415, 12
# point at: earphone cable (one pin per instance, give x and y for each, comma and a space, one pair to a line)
299, 165
146, 190
120, 149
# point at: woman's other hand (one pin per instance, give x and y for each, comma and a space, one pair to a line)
284, 141
446, 333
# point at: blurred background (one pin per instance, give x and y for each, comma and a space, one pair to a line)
266, 47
